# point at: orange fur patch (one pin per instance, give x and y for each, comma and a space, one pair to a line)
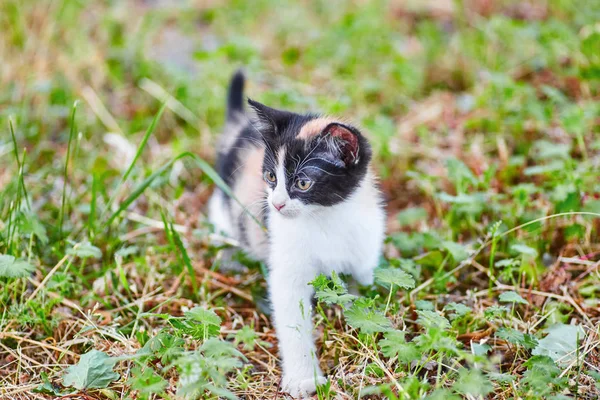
314, 127
250, 185
249, 189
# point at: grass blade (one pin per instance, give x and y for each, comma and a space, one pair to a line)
202, 164
93, 207
185, 257
19, 164
138, 191
66, 170
138, 153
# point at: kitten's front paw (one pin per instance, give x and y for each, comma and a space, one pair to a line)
302, 388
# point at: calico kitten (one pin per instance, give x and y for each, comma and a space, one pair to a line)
308, 179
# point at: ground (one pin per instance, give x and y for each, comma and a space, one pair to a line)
485, 121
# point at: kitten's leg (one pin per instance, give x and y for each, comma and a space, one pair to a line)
364, 267
292, 313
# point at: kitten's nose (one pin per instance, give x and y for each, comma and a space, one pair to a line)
278, 206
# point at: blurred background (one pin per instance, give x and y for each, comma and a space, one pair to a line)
484, 115
427, 79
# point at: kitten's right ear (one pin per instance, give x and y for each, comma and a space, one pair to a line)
269, 118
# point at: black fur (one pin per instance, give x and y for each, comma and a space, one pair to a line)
322, 159
235, 95
228, 162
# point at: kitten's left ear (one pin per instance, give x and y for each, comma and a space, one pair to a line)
345, 140
270, 118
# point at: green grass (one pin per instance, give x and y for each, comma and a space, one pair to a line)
484, 120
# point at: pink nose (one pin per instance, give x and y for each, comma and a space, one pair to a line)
278, 206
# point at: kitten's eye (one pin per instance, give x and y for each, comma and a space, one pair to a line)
270, 176
304, 184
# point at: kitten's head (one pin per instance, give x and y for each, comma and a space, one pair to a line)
311, 162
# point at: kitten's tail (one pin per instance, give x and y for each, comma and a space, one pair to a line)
235, 96
236, 118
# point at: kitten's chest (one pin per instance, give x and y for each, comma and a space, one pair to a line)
330, 241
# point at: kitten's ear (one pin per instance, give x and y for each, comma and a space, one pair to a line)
269, 118
345, 142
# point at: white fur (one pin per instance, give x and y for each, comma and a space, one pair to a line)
308, 240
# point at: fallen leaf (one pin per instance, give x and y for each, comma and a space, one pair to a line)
93, 371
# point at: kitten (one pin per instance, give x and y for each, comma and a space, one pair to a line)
308, 179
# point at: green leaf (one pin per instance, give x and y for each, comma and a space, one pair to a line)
164, 346
202, 323
46, 387
394, 276
127, 251
524, 250
480, 349
394, 344
541, 375
458, 251
495, 311
424, 305
512, 297
432, 259
367, 319
85, 250
560, 344
508, 262
460, 310
442, 394
248, 337
93, 371
411, 215
214, 347
459, 173
206, 369
146, 381
515, 337
203, 315
375, 370
11, 267
473, 382
431, 319
331, 291
29, 223
501, 378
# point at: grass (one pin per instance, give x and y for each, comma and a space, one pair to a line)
484, 117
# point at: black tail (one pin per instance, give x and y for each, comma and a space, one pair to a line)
235, 96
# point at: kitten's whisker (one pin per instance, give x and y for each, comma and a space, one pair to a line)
320, 169
303, 173
313, 149
322, 159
